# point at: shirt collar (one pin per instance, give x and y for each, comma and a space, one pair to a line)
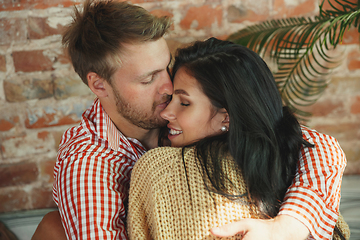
107, 130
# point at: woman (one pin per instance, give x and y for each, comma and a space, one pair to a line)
238, 147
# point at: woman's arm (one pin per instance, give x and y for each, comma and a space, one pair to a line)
50, 227
313, 198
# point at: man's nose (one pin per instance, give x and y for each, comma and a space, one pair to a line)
166, 86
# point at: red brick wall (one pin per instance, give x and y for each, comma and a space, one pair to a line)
40, 95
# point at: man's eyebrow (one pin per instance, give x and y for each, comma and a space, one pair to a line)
144, 76
180, 91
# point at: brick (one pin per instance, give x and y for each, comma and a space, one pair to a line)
352, 167
47, 170
7, 123
56, 115
28, 89
238, 15
13, 200
354, 65
12, 5
202, 17
12, 30
161, 13
63, 58
352, 152
26, 144
351, 36
355, 106
143, 1
343, 86
31, 61
49, 120
57, 135
39, 28
353, 60
43, 135
65, 87
18, 174
42, 198
325, 108
342, 132
327, 6
2, 63
283, 9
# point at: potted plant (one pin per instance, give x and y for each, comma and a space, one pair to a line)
301, 49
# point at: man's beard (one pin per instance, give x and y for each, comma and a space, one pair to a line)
145, 120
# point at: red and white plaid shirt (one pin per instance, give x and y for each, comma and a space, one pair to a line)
314, 196
93, 168
92, 175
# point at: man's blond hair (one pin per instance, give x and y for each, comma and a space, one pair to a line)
94, 38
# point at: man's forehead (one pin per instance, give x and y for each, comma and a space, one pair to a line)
141, 59
145, 51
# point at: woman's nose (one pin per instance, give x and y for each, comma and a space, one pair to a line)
168, 113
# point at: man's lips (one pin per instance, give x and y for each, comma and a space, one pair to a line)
163, 104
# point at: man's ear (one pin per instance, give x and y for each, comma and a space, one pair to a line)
97, 84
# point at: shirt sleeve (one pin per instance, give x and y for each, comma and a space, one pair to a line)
89, 190
314, 196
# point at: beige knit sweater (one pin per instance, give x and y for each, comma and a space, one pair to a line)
167, 202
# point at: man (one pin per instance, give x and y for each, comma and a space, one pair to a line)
119, 51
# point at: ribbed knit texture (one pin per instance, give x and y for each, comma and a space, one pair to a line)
167, 202
343, 227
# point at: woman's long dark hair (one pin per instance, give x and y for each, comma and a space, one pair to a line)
264, 138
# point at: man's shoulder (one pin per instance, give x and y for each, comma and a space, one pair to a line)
75, 135
79, 139
82, 132
325, 146
314, 135
306, 130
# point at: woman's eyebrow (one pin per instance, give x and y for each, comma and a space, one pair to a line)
181, 91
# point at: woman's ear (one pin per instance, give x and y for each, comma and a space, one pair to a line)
97, 84
226, 121
225, 118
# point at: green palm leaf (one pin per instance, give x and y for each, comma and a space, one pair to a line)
301, 48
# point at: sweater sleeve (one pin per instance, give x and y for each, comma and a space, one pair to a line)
314, 196
137, 226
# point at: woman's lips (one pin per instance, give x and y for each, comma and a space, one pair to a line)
174, 132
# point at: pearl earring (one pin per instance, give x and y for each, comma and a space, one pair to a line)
223, 129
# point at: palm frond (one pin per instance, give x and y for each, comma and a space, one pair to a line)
301, 48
